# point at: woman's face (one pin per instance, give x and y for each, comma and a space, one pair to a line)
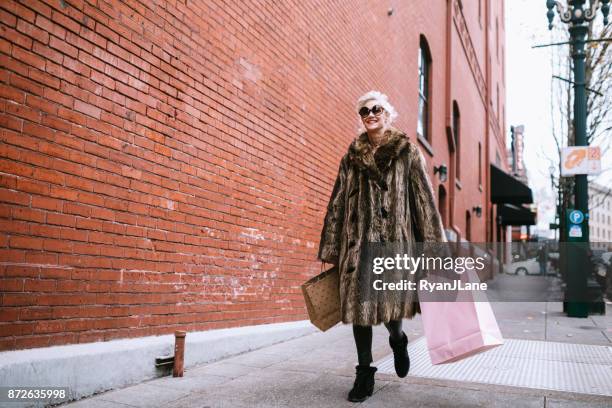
376, 117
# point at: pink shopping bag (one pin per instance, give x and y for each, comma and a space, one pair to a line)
456, 330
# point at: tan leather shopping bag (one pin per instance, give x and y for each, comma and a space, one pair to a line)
322, 297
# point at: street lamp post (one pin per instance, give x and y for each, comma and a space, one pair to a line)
577, 15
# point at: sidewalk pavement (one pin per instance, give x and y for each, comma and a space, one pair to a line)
317, 370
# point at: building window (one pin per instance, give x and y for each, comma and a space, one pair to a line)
497, 102
442, 204
424, 90
503, 62
456, 135
468, 226
479, 164
497, 39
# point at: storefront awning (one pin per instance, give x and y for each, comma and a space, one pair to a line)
509, 214
507, 189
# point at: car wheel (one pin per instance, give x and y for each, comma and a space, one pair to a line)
521, 271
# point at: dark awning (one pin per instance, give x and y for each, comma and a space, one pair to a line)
509, 214
507, 189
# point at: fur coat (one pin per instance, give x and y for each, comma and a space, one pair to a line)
385, 197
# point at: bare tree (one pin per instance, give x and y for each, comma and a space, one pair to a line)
598, 81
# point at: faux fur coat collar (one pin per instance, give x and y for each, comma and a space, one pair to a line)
360, 152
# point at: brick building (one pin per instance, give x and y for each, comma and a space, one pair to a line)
165, 165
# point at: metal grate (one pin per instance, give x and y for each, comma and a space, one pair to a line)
523, 363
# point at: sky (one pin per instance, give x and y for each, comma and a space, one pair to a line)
528, 93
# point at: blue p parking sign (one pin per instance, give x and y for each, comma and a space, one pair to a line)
576, 217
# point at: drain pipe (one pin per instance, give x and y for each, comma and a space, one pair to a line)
179, 352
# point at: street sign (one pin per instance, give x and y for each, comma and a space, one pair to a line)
576, 217
580, 160
576, 225
575, 231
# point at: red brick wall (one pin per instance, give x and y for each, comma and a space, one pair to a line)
165, 164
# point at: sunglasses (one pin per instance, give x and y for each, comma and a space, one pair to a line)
376, 110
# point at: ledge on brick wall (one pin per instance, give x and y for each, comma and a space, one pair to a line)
90, 368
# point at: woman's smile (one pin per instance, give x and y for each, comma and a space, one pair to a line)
372, 122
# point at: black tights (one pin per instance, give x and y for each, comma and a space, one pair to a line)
363, 339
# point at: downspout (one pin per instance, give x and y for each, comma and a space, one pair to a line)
490, 219
487, 186
449, 119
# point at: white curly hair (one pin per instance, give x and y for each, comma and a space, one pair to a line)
380, 99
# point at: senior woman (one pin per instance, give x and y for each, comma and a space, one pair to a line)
382, 194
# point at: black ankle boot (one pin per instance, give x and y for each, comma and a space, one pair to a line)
400, 355
364, 384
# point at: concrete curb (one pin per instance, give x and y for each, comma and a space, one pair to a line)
90, 368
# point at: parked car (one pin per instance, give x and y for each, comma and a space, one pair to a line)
602, 268
525, 267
